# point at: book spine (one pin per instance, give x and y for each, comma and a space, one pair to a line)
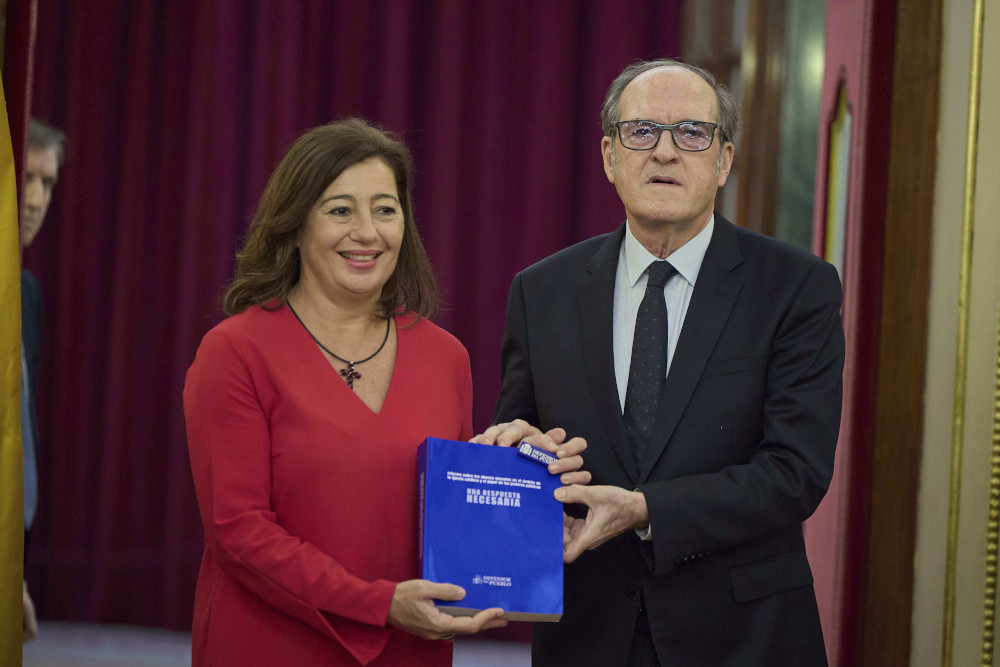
421, 497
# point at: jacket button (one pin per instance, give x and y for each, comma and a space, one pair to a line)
629, 591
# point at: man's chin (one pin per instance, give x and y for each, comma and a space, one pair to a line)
27, 236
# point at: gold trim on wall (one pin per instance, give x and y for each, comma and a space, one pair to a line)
993, 523
962, 339
837, 181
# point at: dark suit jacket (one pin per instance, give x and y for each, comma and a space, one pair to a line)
742, 450
31, 335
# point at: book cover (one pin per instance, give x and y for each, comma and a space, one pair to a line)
488, 522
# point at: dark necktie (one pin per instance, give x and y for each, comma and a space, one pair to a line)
647, 373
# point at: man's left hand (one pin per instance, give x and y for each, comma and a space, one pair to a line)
611, 511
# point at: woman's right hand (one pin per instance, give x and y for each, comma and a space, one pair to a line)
413, 610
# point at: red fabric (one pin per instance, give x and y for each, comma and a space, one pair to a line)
18, 69
307, 496
176, 112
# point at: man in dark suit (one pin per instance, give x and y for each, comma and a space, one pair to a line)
708, 387
41, 171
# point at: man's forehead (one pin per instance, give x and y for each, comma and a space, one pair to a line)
43, 159
669, 89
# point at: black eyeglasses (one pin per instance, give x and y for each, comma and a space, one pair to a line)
688, 135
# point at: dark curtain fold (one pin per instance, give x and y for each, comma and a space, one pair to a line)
176, 113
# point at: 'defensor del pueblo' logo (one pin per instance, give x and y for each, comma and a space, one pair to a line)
489, 580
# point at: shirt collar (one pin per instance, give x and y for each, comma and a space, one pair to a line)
687, 259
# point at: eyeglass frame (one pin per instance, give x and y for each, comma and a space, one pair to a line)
669, 126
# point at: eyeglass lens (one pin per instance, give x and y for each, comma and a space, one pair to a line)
688, 136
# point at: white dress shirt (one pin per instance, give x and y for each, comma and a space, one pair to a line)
630, 286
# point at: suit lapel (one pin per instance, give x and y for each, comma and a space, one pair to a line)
595, 296
714, 295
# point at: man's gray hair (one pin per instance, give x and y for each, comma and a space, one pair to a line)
729, 107
42, 136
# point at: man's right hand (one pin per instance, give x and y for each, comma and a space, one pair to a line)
509, 434
569, 453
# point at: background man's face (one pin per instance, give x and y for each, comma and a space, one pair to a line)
40, 175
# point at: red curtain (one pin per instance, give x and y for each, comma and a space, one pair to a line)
176, 113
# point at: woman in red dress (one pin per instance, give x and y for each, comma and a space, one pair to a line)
304, 410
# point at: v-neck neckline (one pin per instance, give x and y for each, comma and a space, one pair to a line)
337, 379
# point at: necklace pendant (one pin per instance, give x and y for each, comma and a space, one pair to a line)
350, 374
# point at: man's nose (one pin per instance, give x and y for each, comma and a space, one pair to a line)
34, 194
665, 150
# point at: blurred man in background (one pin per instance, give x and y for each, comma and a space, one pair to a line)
46, 147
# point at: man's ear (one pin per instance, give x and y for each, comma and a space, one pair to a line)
725, 162
608, 153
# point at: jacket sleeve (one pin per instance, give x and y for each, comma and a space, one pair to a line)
229, 445
517, 398
790, 469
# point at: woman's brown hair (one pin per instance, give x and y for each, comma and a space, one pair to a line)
268, 264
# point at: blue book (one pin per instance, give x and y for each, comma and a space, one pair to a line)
489, 523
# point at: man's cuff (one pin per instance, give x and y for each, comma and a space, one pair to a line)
645, 534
